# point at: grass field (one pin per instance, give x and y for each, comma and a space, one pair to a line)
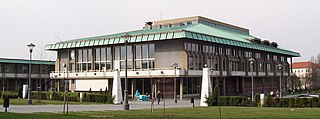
197, 112
42, 102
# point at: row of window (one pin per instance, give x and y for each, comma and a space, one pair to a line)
24, 68
298, 71
195, 61
194, 47
107, 58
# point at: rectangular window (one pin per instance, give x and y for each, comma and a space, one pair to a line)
138, 64
151, 64
268, 67
193, 47
72, 55
122, 52
144, 64
97, 58
138, 52
97, 66
79, 56
71, 67
108, 54
85, 55
190, 63
117, 53
151, 50
185, 46
144, 50
89, 55
129, 52
103, 54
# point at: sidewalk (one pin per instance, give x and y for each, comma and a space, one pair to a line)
134, 105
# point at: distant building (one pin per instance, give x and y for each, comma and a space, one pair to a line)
189, 43
303, 71
14, 74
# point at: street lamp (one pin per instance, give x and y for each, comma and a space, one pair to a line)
175, 65
280, 69
126, 104
29, 100
251, 60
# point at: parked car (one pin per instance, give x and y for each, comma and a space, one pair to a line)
302, 96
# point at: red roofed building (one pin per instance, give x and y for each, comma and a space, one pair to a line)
303, 71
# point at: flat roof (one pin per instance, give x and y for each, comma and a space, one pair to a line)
25, 61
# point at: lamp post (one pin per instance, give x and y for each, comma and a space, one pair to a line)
251, 60
164, 94
29, 100
126, 104
175, 65
280, 69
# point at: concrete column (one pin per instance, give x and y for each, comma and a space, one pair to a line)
143, 87
243, 88
156, 86
181, 88
224, 87
58, 85
237, 86
132, 88
45, 85
264, 85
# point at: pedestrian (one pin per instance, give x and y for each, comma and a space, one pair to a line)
158, 96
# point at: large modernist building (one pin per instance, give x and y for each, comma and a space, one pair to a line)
174, 50
14, 74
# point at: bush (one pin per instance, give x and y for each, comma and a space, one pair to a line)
98, 97
228, 101
59, 96
233, 101
10, 94
212, 99
270, 102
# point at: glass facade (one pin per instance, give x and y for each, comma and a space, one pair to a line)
225, 58
102, 59
84, 60
107, 58
144, 56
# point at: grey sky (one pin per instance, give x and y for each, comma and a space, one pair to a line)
294, 24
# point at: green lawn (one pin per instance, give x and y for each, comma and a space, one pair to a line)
197, 112
42, 102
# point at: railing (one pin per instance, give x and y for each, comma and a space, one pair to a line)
112, 70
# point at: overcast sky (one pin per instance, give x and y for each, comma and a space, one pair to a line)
294, 24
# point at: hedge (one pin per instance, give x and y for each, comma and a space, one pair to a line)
269, 101
72, 96
10, 94
228, 101
97, 97
100, 97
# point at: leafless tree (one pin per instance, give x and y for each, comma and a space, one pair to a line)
313, 76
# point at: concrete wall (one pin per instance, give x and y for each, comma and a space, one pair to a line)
169, 52
94, 84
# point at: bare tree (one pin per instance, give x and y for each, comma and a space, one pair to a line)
313, 76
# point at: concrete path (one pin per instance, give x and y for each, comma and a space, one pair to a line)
134, 105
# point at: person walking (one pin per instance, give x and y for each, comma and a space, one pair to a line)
158, 96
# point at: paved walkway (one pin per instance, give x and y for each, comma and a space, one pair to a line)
134, 105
